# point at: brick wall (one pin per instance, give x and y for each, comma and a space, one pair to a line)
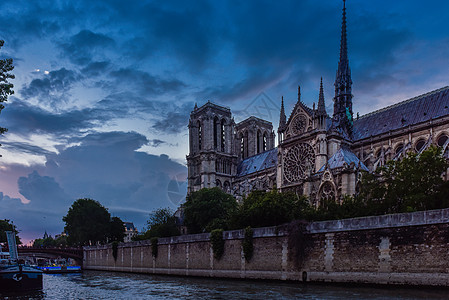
395, 249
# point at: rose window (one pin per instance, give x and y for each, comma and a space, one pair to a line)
299, 124
299, 161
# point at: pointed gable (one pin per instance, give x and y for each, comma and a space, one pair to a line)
300, 119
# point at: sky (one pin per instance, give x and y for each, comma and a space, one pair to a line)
104, 89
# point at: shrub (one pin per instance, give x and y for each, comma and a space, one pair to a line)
217, 242
247, 243
154, 243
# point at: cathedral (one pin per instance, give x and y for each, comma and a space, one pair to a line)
318, 155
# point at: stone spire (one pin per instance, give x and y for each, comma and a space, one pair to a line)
342, 118
321, 105
282, 118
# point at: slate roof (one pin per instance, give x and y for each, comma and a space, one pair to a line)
343, 156
258, 162
419, 109
129, 226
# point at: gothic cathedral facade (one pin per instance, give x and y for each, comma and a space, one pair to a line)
318, 155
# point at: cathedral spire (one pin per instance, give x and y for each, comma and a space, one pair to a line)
342, 119
321, 105
282, 118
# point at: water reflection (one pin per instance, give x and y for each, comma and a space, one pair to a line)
109, 285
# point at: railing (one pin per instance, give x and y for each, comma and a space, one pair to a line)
67, 252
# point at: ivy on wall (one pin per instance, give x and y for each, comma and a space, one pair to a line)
247, 243
114, 250
154, 244
217, 242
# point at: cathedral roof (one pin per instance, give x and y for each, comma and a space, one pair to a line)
417, 110
258, 162
341, 157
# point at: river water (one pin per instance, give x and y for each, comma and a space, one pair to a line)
111, 285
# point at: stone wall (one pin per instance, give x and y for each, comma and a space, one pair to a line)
408, 249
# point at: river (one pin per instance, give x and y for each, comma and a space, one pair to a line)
111, 285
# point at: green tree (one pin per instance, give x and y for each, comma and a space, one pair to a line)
162, 223
117, 230
88, 222
7, 225
411, 184
208, 209
6, 88
262, 208
61, 241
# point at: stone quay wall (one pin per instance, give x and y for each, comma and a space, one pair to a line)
403, 249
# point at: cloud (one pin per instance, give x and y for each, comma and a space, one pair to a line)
40, 189
106, 167
24, 119
82, 47
96, 68
53, 88
144, 83
25, 148
6, 199
157, 142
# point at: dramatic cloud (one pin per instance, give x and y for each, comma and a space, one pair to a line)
82, 47
144, 82
106, 167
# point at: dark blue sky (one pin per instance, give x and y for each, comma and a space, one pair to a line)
104, 88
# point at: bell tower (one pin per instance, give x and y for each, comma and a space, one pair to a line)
211, 161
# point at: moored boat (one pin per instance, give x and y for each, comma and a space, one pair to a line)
61, 269
15, 275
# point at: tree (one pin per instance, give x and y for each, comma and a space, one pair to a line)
7, 225
411, 184
6, 88
162, 223
208, 209
88, 222
117, 232
262, 208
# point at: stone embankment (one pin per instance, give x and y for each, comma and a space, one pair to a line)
411, 248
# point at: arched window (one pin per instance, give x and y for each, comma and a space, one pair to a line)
242, 145
245, 144
222, 133
398, 149
227, 187
264, 145
327, 194
200, 136
258, 142
215, 133
419, 145
442, 140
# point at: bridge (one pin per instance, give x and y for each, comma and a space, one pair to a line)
54, 252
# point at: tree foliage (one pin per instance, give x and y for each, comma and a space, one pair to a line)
6, 88
411, 184
117, 232
50, 242
7, 225
88, 222
162, 223
262, 208
208, 209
